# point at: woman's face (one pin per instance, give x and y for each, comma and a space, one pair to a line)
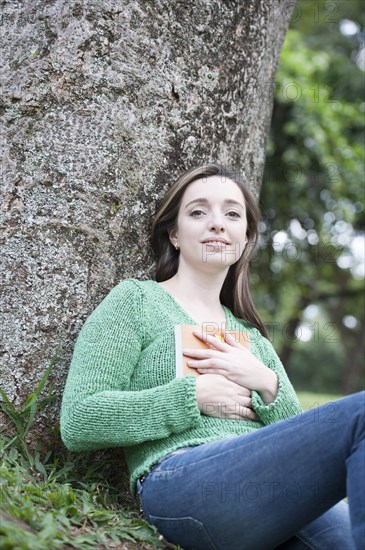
211, 224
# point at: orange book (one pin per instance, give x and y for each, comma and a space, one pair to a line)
184, 338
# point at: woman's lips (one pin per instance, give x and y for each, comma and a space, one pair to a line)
215, 241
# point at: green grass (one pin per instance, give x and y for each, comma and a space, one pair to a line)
308, 400
53, 499
72, 503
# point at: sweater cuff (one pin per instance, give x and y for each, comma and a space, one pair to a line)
282, 407
183, 412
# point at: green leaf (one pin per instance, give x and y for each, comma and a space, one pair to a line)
32, 413
40, 467
7, 400
47, 372
31, 397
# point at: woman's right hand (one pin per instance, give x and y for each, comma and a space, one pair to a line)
219, 397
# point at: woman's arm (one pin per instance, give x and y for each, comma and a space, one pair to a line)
98, 410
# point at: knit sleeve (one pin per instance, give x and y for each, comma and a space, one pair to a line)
286, 403
97, 409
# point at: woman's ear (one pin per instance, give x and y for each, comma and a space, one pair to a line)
173, 237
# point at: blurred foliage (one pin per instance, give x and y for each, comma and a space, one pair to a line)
312, 201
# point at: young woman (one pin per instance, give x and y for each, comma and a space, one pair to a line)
226, 459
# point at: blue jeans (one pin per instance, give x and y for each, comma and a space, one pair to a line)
278, 487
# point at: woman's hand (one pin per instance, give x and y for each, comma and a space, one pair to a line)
219, 397
236, 363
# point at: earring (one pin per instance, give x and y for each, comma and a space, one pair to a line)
177, 246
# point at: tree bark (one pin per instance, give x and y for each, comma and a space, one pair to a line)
103, 104
289, 334
353, 341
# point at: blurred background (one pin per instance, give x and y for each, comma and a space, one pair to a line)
307, 277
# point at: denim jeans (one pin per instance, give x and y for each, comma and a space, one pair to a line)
281, 486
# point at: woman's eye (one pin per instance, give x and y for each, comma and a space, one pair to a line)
234, 214
196, 213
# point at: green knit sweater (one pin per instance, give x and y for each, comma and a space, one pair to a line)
121, 390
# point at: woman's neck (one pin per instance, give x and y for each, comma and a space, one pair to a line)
202, 289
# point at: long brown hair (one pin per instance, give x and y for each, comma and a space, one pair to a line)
235, 292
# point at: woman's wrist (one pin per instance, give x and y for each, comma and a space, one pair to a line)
270, 386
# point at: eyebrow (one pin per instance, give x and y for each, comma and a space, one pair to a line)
204, 200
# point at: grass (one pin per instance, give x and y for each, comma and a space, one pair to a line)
72, 504
50, 499
308, 400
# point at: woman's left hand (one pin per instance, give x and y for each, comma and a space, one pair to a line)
235, 362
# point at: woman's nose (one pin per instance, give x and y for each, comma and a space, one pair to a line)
216, 223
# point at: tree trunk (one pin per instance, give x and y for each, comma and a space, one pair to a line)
353, 341
103, 104
289, 334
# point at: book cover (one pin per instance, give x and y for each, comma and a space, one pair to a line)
184, 338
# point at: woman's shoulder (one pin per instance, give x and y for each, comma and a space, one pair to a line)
133, 289
122, 301
133, 284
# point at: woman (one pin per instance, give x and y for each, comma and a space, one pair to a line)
226, 459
